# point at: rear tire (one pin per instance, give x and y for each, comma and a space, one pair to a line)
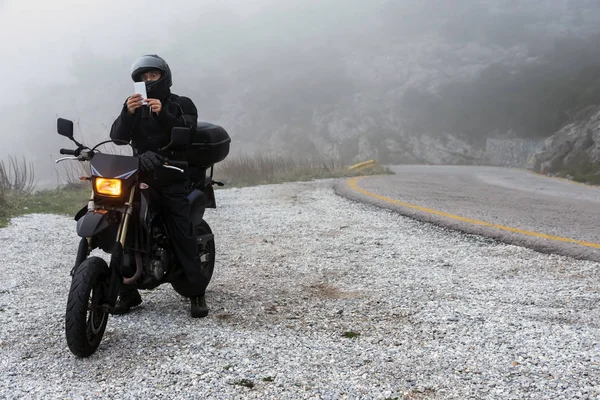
207, 253
85, 320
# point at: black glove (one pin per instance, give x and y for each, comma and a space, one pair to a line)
149, 161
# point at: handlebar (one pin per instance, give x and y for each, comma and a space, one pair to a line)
177, 164
86, 155
69, 152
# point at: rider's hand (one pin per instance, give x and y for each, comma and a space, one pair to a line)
149, 161
134, 102
155, 105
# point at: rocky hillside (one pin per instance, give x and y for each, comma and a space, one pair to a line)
574, 151
420, 82
409, 82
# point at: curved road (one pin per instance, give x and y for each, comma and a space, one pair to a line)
515, 206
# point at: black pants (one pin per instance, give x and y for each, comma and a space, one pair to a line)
174, 206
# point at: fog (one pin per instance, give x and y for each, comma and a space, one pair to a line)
309, 75
72, 59
47, 38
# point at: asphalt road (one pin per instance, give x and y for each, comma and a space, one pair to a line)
515, 206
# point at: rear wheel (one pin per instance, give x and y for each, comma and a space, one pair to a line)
86, 320
206, 253
206, 250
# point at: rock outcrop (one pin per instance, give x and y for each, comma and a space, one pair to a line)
573, 151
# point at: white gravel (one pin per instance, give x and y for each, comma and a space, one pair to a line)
440, 314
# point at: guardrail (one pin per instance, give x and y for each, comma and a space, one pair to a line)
362, 165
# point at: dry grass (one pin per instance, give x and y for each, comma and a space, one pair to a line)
16, 178
73, 172
266, 169
18, 195
17, 181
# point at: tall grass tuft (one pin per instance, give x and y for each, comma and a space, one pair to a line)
17, 196
73, 172
16, 178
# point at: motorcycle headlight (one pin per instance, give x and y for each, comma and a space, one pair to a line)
108, 187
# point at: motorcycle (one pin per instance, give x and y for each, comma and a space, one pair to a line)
120, 220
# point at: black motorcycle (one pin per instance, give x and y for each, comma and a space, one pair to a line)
120, 220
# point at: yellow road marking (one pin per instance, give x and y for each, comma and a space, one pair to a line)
352, 183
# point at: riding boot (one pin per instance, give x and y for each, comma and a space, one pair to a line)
198, 306
126, 301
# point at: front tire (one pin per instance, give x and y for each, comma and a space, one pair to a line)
85, 320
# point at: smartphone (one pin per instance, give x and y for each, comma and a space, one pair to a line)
140, 88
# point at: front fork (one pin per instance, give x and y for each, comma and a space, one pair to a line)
116, 258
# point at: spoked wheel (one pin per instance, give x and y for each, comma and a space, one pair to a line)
85, 320
206, 253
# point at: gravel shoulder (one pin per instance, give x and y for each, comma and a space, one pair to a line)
439, 314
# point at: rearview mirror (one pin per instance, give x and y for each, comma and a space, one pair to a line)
65, 128
181, 138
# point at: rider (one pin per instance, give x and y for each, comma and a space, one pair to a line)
149, 129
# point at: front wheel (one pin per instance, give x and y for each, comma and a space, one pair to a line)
86, 320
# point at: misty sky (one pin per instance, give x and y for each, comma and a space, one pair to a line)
44, 35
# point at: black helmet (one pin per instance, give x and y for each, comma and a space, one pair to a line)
159, 89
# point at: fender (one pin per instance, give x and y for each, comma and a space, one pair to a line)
92, 223
209, 191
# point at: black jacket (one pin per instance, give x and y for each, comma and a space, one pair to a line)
151, 131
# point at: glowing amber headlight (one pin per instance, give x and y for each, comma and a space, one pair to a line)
108, 187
